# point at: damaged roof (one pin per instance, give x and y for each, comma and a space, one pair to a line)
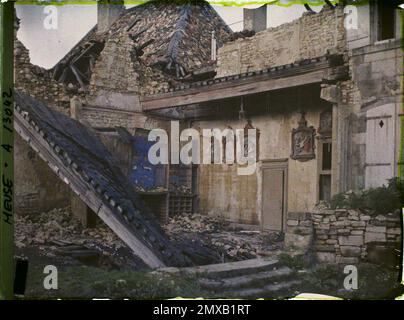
171, 38
78, 157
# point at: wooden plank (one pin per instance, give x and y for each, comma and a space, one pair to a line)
88, 195
229, 89
6, 154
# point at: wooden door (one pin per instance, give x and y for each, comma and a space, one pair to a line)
380, 145
274, 195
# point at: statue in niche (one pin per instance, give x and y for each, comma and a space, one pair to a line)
303, 144
251, 143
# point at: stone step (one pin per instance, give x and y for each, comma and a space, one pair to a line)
249, 280
222, 270
275, 291
233, 269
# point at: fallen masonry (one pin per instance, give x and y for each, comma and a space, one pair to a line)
80, 159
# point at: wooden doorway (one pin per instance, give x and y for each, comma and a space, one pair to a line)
274, 194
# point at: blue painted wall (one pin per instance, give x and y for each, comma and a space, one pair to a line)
144, 174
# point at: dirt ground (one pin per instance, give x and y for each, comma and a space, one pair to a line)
95, 263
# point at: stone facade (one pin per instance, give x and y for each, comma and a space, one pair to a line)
343, 235
370, 107
311, 36
239, 198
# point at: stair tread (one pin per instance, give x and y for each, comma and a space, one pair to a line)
244, 280
242, 266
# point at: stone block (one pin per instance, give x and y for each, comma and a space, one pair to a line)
299, 215
358, 224
300, 230
325, 248
306, 223
341, 213
341, 223
396, 231
324, 226
376, 229
347, 260
350, 251
344, 232
350, 240
374, 237
292, 222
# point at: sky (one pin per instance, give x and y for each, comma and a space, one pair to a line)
48, 46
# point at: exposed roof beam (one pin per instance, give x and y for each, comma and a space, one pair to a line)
298, 74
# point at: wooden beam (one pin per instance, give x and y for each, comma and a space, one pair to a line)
230, 89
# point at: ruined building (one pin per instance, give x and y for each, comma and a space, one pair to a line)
325, 98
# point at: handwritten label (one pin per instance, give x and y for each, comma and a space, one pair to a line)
6, 178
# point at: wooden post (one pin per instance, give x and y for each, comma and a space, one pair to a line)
6, 149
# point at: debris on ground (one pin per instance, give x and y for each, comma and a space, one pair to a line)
217, 234
59, 233
204, 239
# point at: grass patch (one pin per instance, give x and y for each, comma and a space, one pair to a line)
374, 282
83, 282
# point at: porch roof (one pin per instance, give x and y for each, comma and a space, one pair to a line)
325, 69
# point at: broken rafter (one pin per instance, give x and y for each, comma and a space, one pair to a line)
77, 75
173, 47
136, 35
308, 8
329, 4
133, 24
139, 49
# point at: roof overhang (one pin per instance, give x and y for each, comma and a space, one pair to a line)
324, 69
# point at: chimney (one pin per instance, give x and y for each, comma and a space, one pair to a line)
255, 19
108, 11
213, 56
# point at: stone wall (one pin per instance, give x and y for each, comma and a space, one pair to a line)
37, 187
343, 235
311, 36
299, 235
37, 82
369, 149
374, 94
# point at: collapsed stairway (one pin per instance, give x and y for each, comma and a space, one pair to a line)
80, 159
254, 279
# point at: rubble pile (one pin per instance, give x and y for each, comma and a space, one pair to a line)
219, 235
194, 223
58, 233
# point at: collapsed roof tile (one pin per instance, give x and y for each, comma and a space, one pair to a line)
84, 163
